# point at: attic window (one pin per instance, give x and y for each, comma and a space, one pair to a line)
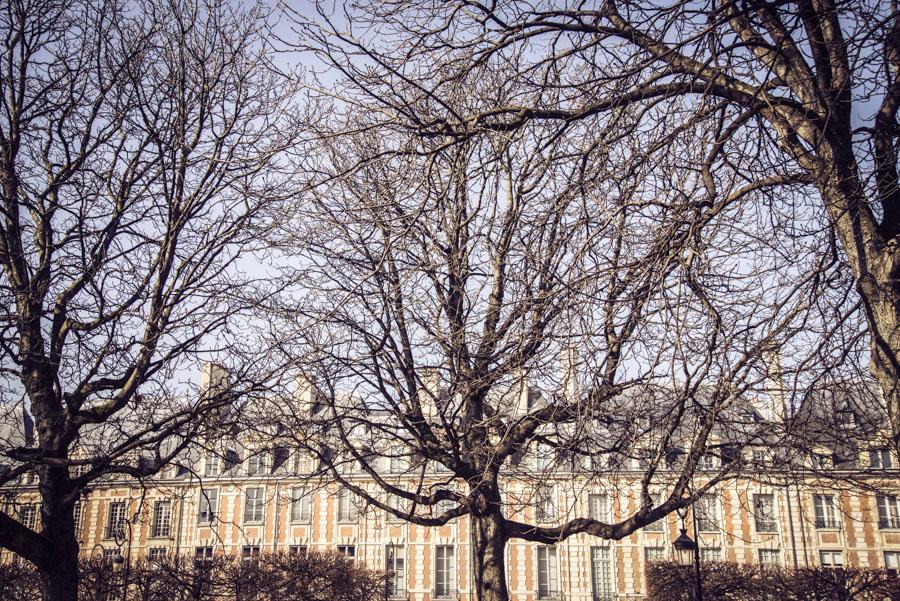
847, 417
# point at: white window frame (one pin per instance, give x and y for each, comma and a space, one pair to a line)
212, 467
599, 506
301, 505
708, 554
888, 508
208, 507
892, 562
827, 559
347, 512
660, 524
28, 515
824, 512
881, 459
603, 579
444, 571
545, 503
706, 510
764, 522
254, 505
162, 519
395, 568
769, 557
547, 564
115, 520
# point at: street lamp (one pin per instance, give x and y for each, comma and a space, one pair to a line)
685, 547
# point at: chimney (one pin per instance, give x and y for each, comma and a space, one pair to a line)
429, 392
568, 364
214, 379
520, 403
305, 393
775, 388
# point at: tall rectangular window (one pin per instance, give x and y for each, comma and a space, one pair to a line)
764, 513
892, 562
209, 505
546, 505
444, 571
547, 572
831, 559
162, 519
823, 505
213, 465
888, 512
397, 463
77, 512
598, 507
395, 566
256, 464
601, 574
115, 520
253, 505
28, 516
658, 525
301, 505
706, 510
880, 459
346, 506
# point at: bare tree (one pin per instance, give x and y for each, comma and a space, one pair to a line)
138, 151
799, 93
492, 310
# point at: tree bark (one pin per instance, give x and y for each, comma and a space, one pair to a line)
59, 578
489, 543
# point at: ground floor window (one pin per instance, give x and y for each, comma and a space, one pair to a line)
602, 573
444, 571
547, 571
831, 559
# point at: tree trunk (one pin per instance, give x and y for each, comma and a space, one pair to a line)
489, 543
59, 580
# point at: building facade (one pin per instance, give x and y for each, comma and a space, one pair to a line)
252, 508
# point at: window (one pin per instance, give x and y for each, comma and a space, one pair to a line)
547, 572
209, 505
162, 519
395, 566
892, 562
770, 557
253, 506
759, 457
303, 463
444, 506
111, 555
444, 571
77, 471
346, 506
880, 459
710, 554
706, 511
831, 559
847, 417
543, 458
115, 521
824, 510
546, 507
249, 553
157, 554
601, 574
888, 512
396, 503
348, 551
297, 549
301, 505
708, 462
598, 507
655, 554
28, 516
77, 511
213, 465
764, 513
658, 525
203, 556
256, 465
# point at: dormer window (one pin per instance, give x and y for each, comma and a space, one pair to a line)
213, 465
847, 417
256, 465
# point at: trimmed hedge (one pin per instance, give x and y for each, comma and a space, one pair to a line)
727, 581
308, 576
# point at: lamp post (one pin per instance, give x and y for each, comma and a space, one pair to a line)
687, 553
